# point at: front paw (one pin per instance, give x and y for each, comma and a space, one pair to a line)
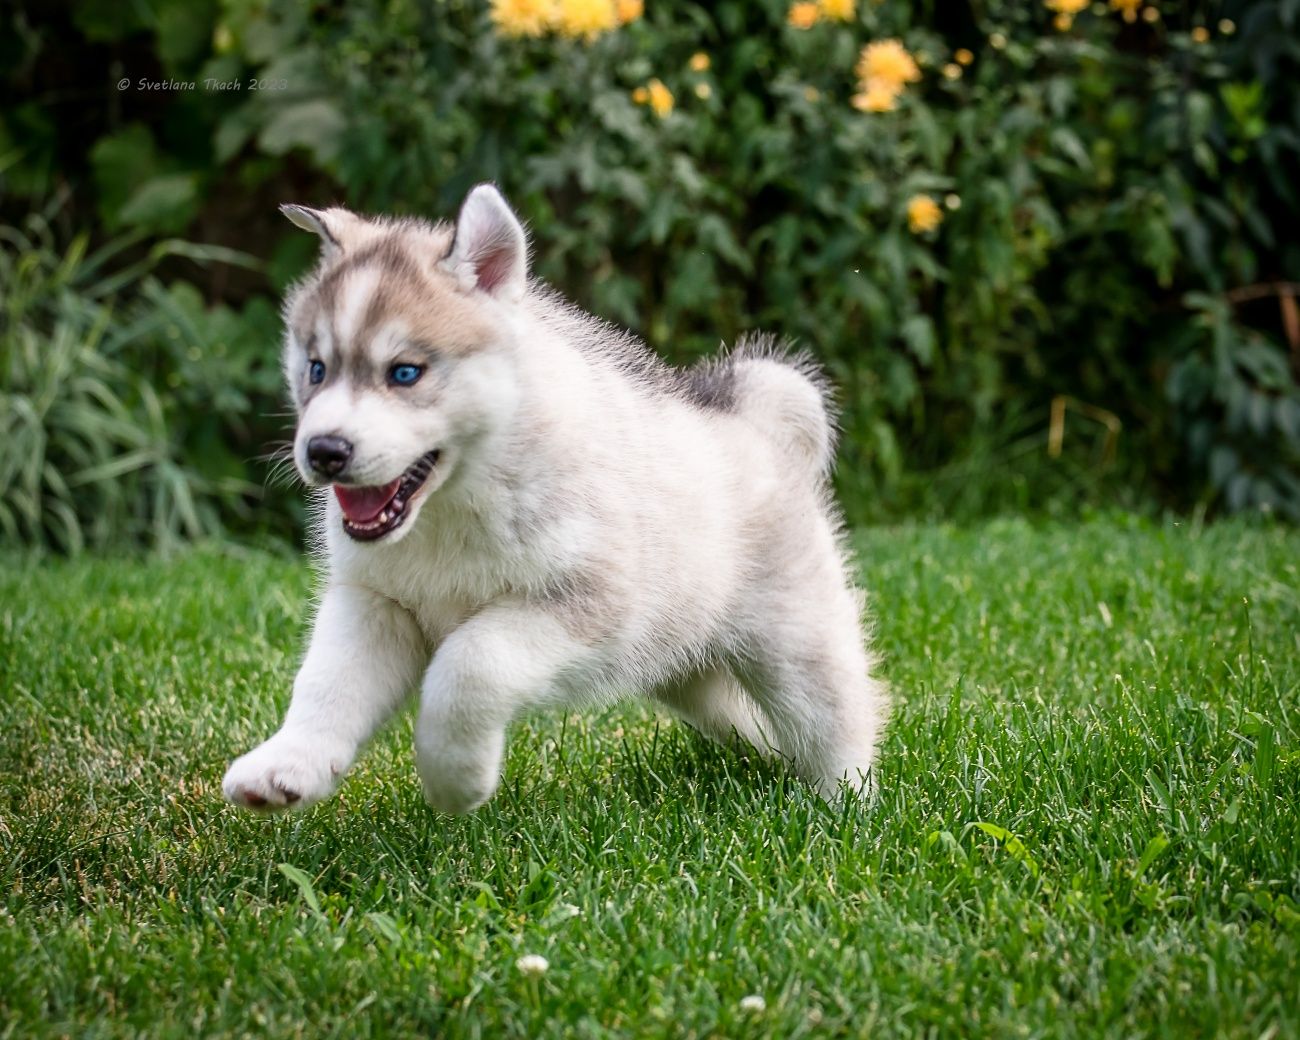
287, 772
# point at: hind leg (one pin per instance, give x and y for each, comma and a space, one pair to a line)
811, 677
717, 705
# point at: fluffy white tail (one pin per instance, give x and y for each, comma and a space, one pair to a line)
787, 396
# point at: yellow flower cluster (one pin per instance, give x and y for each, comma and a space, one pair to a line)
884, 70
657, 96
700, 62
1128, 9
923, 214
806, 13
578, 19
803, 15
1066, 11
523, 17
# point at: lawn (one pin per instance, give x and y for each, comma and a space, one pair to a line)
1089, 821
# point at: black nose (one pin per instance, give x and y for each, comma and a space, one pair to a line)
328, 455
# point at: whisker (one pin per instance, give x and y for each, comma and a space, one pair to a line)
277, 451
282, 473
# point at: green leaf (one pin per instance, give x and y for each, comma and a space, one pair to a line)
1154, 848
1160, 790
1015, 848
1067, 142
385, 926
314, 125
109, 20
184, 31
167, 203
918, 334
303, 880
121, 162
233, 132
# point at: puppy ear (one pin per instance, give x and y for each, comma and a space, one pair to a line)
490, 251
325, 223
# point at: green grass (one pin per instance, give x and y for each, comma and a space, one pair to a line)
1090, 820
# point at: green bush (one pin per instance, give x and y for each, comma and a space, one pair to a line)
1108, 194
121, 399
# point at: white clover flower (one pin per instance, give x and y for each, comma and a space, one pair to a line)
753, 1004
532, 965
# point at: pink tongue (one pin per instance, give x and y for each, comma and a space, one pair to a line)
363, 504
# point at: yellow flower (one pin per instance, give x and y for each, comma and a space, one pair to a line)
1200, 34
1227, 26
952, 70
585, 18
838, 10
804, 14
1127, 8
923, 214
1151, 15
700, 62
703, 91
629, 10
877, 97
1063, 22
962, 56
887, 61
812, 95
656, 95
523, 17
1068, 7
997, 41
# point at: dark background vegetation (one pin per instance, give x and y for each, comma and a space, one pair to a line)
1119, 204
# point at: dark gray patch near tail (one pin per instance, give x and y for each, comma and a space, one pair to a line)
710, 385
714, 384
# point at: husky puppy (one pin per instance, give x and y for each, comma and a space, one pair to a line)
521, 506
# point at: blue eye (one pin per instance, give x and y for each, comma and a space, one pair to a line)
316, 371
405, 375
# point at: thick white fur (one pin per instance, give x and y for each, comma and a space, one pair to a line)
586, 536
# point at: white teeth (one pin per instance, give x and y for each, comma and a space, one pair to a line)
395, 510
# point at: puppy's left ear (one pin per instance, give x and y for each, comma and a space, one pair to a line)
490, 251
328, 224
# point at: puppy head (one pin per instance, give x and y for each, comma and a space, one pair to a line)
397, 353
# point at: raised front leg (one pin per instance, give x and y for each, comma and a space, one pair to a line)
365, 656
500, 662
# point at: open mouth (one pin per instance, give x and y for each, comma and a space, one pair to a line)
372, 512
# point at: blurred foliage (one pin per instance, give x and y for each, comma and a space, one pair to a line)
1087, 205
122, 400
